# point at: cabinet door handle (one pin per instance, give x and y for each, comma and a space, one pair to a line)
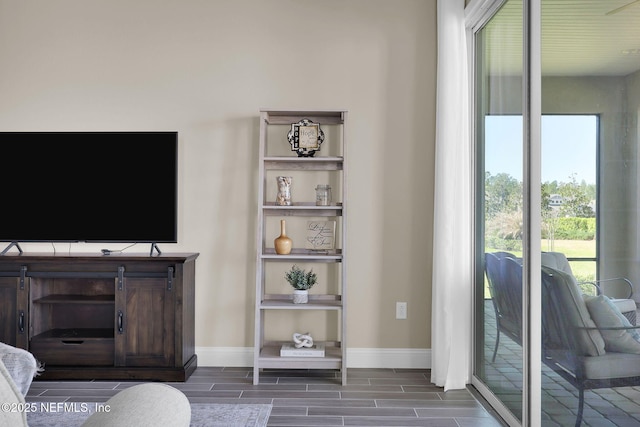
120, 322
21, 322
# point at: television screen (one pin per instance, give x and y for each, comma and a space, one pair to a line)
89, 187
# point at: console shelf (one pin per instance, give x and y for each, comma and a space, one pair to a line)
307, 163
302, 209
285, 302
327, 166
75, 334
303, 255
270, 358
91, 316
76, 299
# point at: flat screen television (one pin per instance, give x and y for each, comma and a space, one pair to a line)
88, 187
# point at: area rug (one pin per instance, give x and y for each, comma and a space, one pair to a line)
202, 415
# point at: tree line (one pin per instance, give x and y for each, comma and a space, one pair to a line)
573, 219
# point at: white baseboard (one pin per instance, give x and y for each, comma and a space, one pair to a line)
400, 358
225, 356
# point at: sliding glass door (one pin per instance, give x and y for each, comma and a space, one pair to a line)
499, 209
557, 203
590, 93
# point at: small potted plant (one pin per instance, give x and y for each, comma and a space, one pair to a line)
301, 281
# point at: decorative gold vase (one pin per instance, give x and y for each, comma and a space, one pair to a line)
282, 243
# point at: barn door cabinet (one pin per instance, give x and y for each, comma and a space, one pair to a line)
102, 317
14, 319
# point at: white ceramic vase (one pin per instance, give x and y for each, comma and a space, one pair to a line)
300, 296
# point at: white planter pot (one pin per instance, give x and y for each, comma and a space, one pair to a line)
300, 297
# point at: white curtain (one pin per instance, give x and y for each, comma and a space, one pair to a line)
452, 266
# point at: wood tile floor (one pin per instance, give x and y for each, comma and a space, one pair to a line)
373, 397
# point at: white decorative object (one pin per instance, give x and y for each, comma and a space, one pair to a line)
284, 191
302, 340
300, 296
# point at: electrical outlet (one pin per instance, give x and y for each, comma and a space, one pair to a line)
401, 310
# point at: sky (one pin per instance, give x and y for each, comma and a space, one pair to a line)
568, 147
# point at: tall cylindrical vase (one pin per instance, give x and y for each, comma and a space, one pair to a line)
284, 191
283, 243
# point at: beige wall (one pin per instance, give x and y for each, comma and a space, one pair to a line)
205, 68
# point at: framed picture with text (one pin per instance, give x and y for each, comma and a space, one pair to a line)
305, 138
321, 235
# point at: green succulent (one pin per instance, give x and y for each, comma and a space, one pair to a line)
299, 279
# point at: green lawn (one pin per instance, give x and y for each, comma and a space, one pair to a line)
572, 248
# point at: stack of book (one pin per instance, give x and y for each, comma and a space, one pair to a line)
290, 350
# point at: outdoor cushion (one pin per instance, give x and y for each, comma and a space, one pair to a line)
589, 341
612, 365
605, 314
624, 305
556, 260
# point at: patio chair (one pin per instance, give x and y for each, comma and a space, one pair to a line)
559, 261
504, 275
577, 348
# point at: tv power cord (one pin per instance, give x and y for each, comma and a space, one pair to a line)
112, 251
